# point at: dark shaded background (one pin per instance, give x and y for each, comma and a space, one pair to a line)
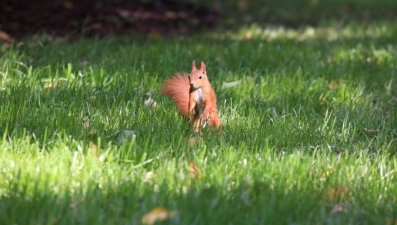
73, 18
99, 18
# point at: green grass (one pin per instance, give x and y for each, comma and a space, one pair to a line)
315, 112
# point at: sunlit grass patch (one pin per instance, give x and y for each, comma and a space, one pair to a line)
330, 31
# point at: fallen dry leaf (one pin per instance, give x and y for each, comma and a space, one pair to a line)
157, 214
148, 177
338, 193
248, 35
226, 85
194, 171
335, 83
52, 85
94, 150
193, 141
370, 130
323, 101
327, 173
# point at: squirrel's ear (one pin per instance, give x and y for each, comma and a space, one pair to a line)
202, 67
193, 65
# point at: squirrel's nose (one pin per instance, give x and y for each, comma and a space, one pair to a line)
191, 85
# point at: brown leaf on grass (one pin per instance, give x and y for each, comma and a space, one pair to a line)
333, 84
94, 150
148, 177
370, 130
194, 171
327, 172
52, 85
323, 101
157, 214
227, 85
339, 193
248, 35
193, 141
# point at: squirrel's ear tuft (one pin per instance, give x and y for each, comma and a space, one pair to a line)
202, 67
193, 65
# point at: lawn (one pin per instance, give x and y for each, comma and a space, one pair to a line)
309, 128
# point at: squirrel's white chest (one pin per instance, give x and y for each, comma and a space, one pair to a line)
199, 98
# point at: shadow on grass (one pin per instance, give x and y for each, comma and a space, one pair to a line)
247, 203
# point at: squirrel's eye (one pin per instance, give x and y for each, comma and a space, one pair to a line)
200, 77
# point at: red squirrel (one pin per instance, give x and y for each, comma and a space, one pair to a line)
194, 97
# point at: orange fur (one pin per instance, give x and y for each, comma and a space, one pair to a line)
178, 88
194, 96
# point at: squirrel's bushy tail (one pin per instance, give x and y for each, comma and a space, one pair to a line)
177, 87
